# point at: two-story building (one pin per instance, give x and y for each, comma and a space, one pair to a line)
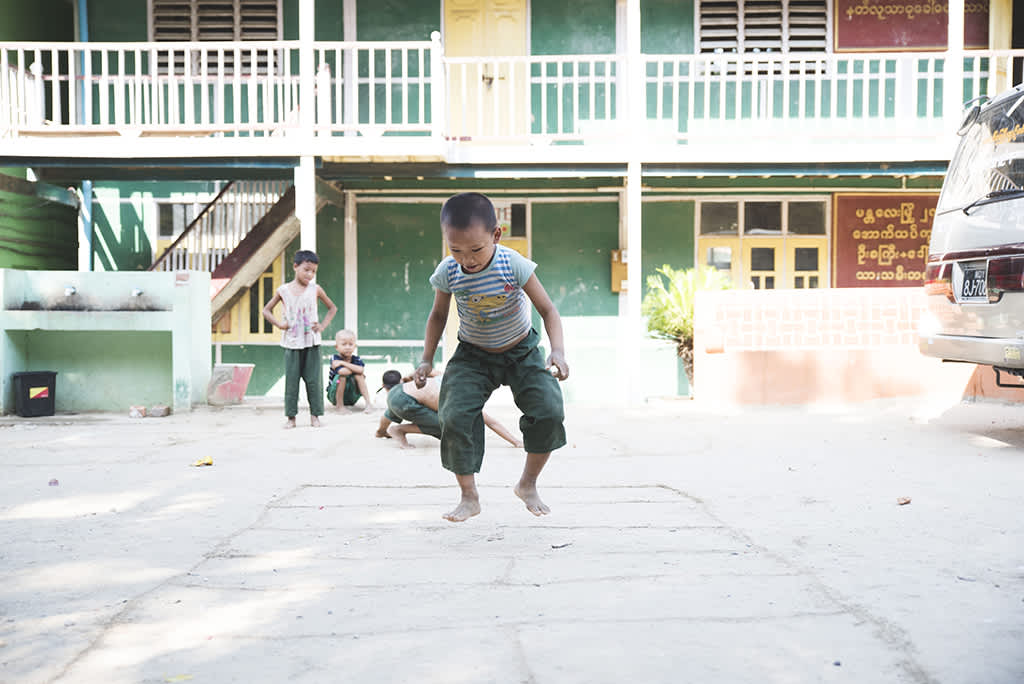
794, 143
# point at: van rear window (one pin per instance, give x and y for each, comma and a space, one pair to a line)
990, 157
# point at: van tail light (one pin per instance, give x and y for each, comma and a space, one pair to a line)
938, 280
1005, 274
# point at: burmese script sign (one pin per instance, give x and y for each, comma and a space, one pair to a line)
882, 240
866, 25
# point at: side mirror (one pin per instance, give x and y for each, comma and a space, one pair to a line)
969, 119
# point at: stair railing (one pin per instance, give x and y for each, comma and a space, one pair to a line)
220, 226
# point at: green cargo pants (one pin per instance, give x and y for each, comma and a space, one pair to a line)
403, 407
471, 376
305, 364
351, 394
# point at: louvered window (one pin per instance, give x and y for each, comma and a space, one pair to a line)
758, 26
216, 20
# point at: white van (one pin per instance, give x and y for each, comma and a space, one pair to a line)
975, 272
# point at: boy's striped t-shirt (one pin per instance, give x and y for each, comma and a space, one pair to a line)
493, 309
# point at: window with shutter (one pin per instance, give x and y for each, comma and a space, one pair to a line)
216, 20
760, 26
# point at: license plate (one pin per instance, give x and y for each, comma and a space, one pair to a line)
973, 285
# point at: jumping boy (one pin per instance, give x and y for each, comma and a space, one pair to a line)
418, 405
347, 380
301, 336
493, 288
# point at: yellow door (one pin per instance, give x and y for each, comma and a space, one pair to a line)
806, 263
487, 98
244, 321
722, 253
764, 263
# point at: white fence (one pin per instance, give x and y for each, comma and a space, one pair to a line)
231, 89
373, 89
21, 97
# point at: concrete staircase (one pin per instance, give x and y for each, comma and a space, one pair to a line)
254, 248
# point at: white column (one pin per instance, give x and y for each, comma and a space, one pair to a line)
953, 89
305, 173
1000, 37
307, 69
634, 263
349, 73
351, 263
305, 201
634, 196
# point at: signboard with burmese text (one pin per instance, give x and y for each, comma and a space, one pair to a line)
881, 240
904, 25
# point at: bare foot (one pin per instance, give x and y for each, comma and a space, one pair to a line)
529, 495
467, 508
370, 408
383, 433
314, 421
396, 432
290, 423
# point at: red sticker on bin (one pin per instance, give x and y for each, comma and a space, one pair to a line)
38, 392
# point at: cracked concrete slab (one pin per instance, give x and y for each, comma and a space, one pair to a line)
686, 544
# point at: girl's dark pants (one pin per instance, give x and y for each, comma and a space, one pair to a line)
305, 364
471, 376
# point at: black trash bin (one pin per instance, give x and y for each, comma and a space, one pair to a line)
34, 393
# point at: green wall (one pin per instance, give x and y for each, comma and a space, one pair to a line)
571, 28
124, 231
51, 20
330, 274
572, 244
668, 236
100, 370
397, 19
36, 234
666, 27
117, 20
400, 245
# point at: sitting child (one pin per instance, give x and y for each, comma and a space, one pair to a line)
418, 405
347, 381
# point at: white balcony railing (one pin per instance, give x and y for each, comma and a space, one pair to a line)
364, 91
231, 89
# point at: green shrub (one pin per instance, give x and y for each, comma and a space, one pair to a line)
668, 305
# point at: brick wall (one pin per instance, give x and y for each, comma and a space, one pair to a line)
803, 346
783, 319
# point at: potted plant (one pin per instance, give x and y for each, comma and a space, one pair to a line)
668, 306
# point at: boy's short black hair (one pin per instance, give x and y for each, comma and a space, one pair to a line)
304, 255
390, 379
463, 210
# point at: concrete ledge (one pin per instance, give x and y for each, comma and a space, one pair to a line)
800, 376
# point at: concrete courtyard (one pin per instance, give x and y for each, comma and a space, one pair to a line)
686, 544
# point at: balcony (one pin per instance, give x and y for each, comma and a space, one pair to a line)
407, 101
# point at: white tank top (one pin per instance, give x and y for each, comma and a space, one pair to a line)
300, 313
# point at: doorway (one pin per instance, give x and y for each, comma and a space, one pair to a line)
488, 91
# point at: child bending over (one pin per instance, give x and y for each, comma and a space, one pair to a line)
418, 405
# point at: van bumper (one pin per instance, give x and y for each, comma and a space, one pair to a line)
1004, 352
